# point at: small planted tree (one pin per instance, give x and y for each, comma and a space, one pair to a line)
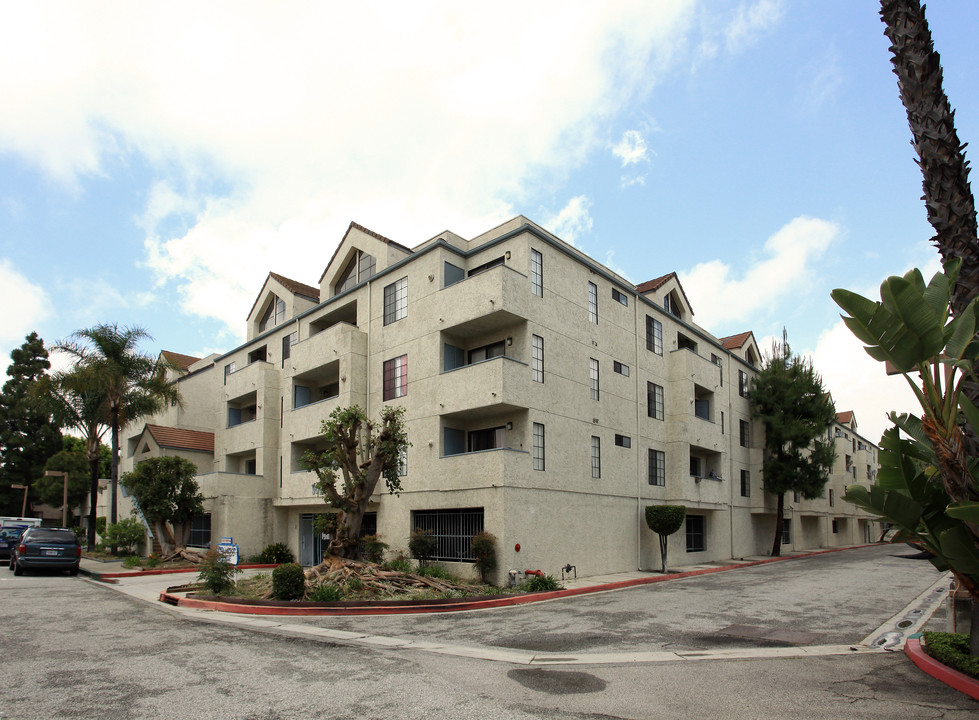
422, 545
484, 550
359, 452
664, 520
169, 498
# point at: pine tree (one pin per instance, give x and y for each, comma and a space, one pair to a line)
28, 436
789, 399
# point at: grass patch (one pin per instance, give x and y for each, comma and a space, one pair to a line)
952, 649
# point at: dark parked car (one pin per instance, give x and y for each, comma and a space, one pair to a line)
53, 548
8, 537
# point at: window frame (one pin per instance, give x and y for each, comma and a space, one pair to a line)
396, 301
594, 378
538, 446
620, 367
744, 429
596, 457
654, 335
620, 297
745, 483
696, 533
656, 468
394, 378
536, 273
655, 401
593, 303
536, 358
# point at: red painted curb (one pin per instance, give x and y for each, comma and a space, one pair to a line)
950, 676
397, 608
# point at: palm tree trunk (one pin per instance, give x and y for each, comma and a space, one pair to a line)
93, 498
114, 512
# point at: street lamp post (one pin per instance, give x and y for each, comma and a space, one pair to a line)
64, 505
23, 508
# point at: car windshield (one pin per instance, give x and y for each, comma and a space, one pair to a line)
65, 537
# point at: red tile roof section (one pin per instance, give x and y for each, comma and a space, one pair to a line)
844, 418
651, 285
182, 439
735, 341
297, 288
181, 361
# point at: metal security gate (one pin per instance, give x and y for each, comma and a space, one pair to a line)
453, 531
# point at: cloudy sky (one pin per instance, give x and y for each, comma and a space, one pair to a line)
158, 159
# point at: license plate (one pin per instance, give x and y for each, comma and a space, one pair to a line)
49, 553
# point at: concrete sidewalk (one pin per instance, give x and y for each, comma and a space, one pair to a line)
711, 611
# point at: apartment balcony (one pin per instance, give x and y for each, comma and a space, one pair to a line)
254, 377
476, 470
342, 342
488, 302
486, 388
687, 365
218, 484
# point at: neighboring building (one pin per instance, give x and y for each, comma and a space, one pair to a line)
548, 401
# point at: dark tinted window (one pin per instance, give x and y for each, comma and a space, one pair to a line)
64, 537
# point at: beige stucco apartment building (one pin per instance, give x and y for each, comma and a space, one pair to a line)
548, 401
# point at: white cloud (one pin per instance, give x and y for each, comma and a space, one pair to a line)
572, 221
25, 304
268, 127
718, 297
859, 383
752, 20
631, 149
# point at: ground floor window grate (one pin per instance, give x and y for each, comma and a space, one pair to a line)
200, 532
453, 531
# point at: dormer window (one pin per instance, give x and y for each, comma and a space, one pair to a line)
360, 268
274, 314
671, 305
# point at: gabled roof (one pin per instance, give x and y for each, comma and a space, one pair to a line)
297, 288
179, 360
376, 236
651, 285
181, 439
293, 286
733, 342
844, 418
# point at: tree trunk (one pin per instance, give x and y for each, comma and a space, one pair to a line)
167, 544
662, 550
779, 515
115, 468
346, 540
93, 498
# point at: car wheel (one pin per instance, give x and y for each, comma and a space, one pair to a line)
73, 571
10, 564
18, 570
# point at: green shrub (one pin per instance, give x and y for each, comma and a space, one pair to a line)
422, 546
127, 535
483, 548
374, 548
327, 592
288, 582
434, 571
100, 526
152, 561
355, 584
400, 564
541, 584
216, 573
131, 561
80, 533
276, 553
952, 649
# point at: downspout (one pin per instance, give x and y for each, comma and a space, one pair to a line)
367, 400
730, 445
639, 511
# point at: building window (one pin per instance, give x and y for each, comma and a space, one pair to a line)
670, 305
360, 268
453, 531
200, 531
745, 483
786, 531
657, 467
275, 314
654, 401
287, 342
831, 499
795, 497
745, 433
742, 383
696, 533
228, 369
623, 441
596, 457
537, 358
396, 377
403, 462
396, 301
536, 273
495, 262
487, 439
654, 335
593, 376
836, 526
487, 352
702, 402
620, 368
720, 369
695, 466
685, 343
538, 446
593, 302
620, 297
